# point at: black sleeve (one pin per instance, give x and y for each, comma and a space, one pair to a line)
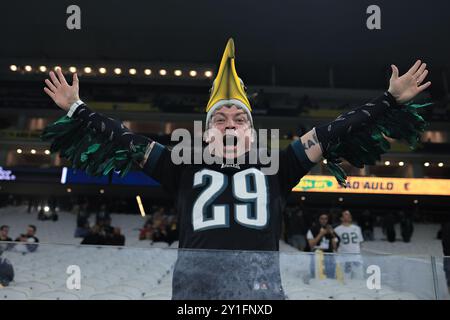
159, 164
294, 164
109, 127
354, 120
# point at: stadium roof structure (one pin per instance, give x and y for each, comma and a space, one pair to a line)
289, 42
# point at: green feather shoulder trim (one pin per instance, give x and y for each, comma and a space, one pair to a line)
89, 151
365, 146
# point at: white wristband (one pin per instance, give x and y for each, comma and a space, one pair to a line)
73, 108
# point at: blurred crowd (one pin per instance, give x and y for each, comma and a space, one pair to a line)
161, 226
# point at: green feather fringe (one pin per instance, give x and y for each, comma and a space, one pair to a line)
365, 146
89, 151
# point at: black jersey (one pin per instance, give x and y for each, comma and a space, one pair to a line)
234, 208
226, 208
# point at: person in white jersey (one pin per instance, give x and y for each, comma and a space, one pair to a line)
349, 247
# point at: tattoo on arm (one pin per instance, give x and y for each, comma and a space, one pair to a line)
312, 146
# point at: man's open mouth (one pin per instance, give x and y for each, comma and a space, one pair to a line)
229, 140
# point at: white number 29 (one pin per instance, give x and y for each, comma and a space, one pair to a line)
249, 186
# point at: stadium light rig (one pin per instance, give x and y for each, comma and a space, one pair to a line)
141, 207
99, 69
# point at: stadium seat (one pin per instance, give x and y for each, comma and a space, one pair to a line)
162, 245
12, 294
398, 296
158, 297
34, 286
352, 296
130, 291
57, 295
109, 296
306, 295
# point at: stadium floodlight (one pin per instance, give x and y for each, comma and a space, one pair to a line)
208, 74
33, 151
132, 71
47, 151
141, 207
386, 163
148, 72
440, 164
117, 71
19, 151
192, 73
64, 175
401, 163
178, 73
163, 72
13, 67
87, 69
42, 68
102, 70
28, 68
426, 164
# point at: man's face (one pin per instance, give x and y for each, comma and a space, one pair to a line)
230, 132
346, 217
4, 232
323, 220
30, 231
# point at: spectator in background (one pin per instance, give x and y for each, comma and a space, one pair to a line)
146, 233
6, 272
367, 224
296, 229
406, 226
321, 237
29, 238
349, 246
446, 250
4, 230
116, 238
83, 230
103, 214
94, 237
172, 229
107, 228
389, 227
159, 230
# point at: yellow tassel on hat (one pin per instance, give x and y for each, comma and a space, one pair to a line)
227, 85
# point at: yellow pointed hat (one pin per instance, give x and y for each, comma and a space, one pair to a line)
228, 88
